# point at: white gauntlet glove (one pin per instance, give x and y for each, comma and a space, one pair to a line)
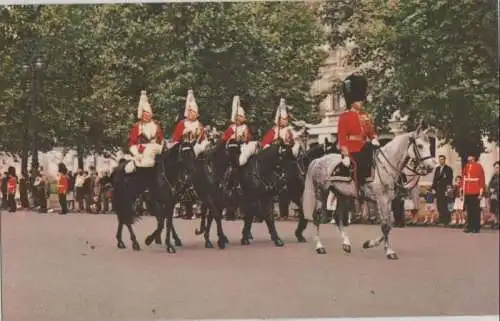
346, 160
375, 142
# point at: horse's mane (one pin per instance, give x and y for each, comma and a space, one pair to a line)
397, 148
266, 158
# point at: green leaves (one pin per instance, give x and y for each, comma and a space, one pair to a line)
98, 59
430, 59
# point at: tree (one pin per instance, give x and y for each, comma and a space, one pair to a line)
99, 58
432, 60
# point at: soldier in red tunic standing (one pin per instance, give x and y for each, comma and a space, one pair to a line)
11, 189
62, 187
473, 188
145, 140
356, 134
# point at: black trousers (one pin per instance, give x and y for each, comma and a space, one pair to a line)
11, 202
63, 203
442, 207
4, 200
473, 208
364, 162
42, 200
398, 211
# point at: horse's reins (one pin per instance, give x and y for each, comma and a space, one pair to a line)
419, 159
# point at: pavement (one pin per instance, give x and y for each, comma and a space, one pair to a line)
67, 268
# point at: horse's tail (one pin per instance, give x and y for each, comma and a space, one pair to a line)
309, 195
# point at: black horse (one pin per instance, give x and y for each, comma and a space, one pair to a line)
177, 165
221, 163
126, 189
261, 179
210, 192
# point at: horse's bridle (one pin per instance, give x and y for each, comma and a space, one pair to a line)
414, 165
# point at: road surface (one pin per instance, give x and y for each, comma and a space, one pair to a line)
61, 268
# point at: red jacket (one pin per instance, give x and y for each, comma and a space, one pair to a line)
242, 131
271, 136
354, 129
179, 132
62, 184
135, 133
473, 178
12, 185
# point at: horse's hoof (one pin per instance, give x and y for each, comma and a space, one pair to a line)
178, 242
209, 245
121, 245
392, 256
278, 242
320, 250
346, 248
222, 244
366, 245
158, 240
136, 246
226, 240
245, 242
149, 240
170, 249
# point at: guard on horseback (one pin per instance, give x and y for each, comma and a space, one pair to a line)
236, 139
356, 133
238, 130
281, 129
190, 129
145, 139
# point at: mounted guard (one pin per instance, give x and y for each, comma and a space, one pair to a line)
356, 134
145, 140
239, 132
281, 130
190, 129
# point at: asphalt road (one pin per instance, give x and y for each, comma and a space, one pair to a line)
67, 268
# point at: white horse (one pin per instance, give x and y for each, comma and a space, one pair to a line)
407, 153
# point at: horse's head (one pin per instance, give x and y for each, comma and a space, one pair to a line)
420, 151
233, 149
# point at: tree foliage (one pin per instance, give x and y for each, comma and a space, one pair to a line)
433, 60
97, 59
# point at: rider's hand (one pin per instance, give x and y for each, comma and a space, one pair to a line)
141, 148
344, 151
375, 142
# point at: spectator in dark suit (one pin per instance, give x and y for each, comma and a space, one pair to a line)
441, 183
5, 179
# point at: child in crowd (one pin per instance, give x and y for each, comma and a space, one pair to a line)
430, 210
458, 216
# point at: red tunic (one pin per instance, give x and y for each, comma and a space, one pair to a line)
473, 177
230, 131
62, 184
354, 129
12, 185
135, 134
271, 136
179, 132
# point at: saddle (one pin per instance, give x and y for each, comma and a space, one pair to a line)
343, 173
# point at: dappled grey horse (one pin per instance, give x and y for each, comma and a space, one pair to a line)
407, 153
